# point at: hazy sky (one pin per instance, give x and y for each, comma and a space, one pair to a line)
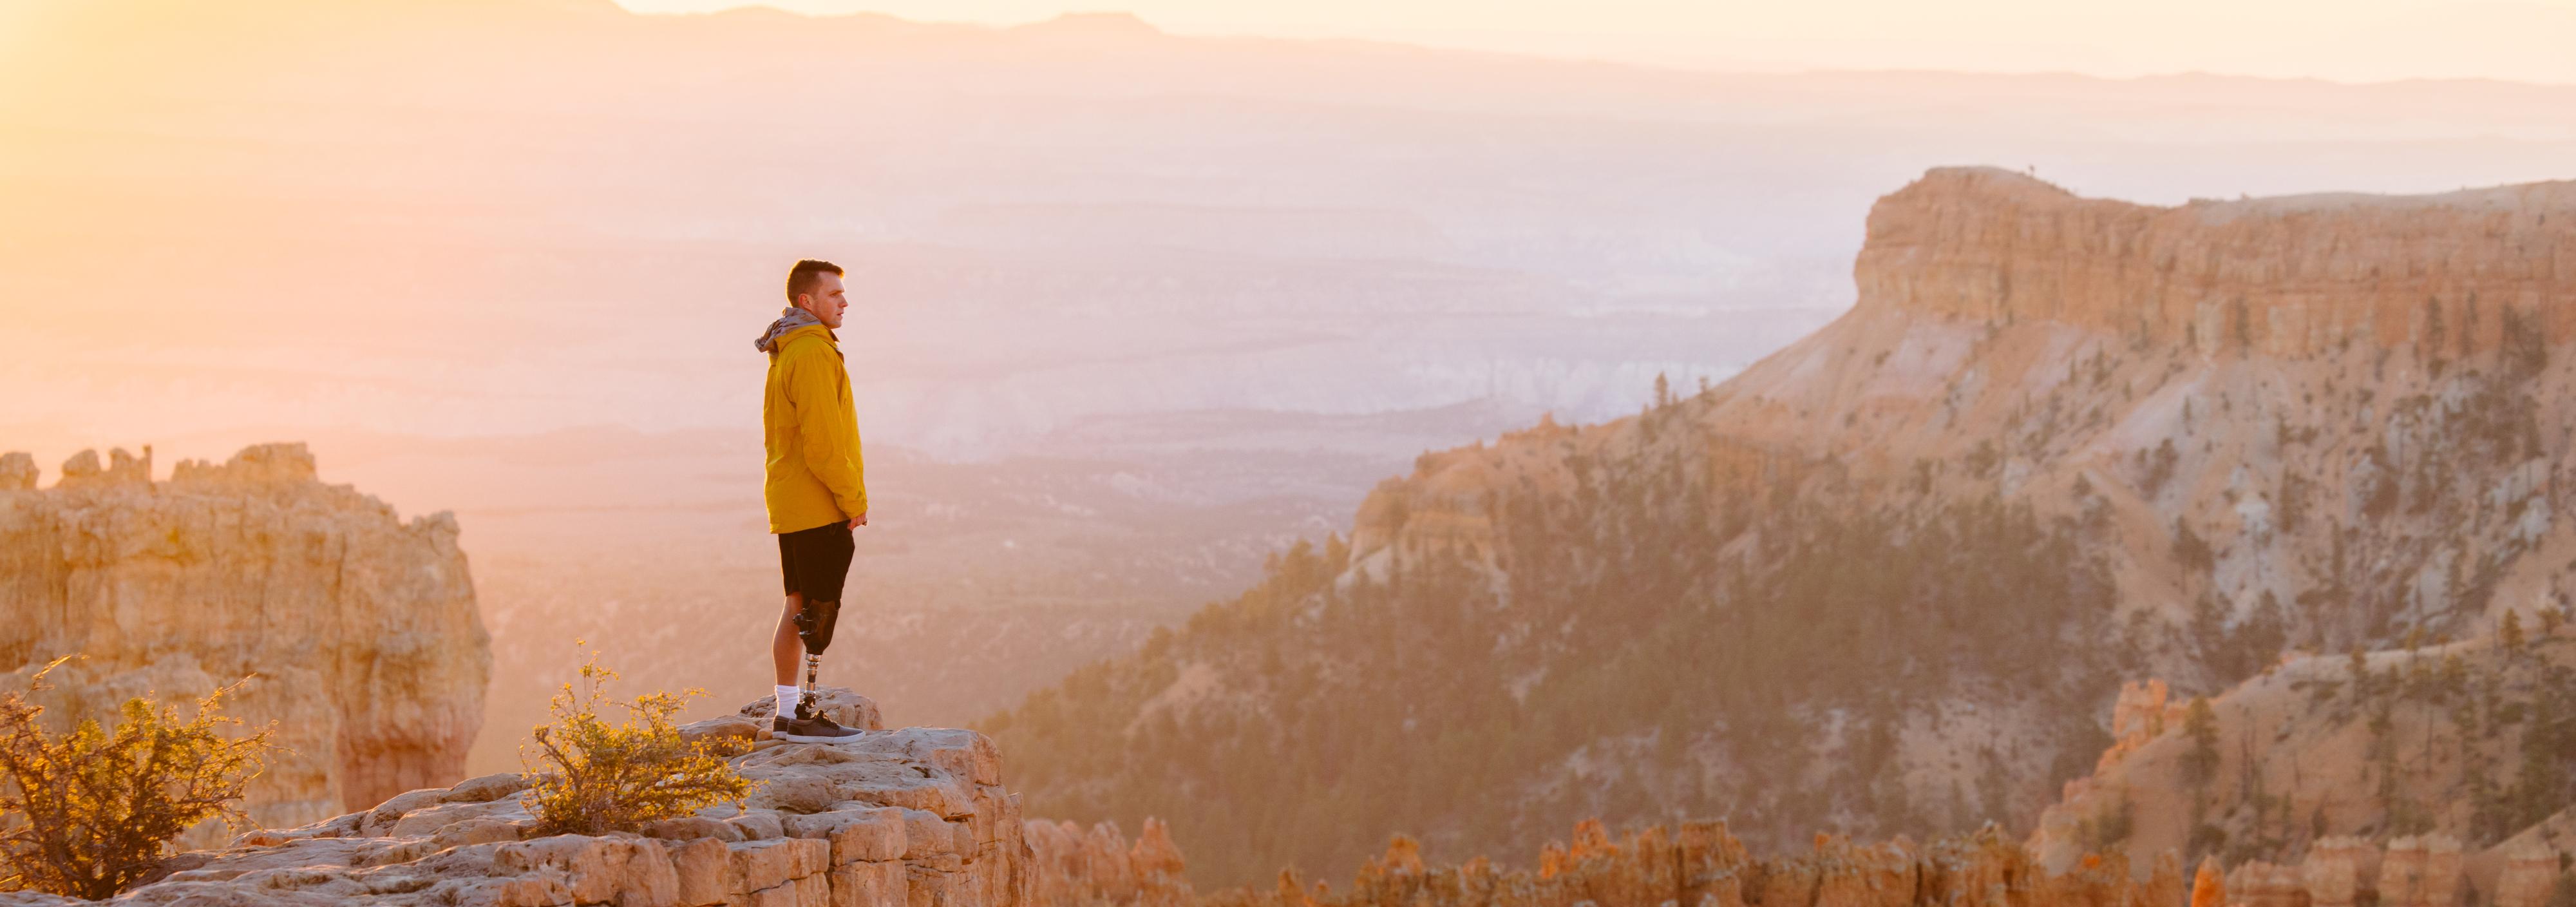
2346, 40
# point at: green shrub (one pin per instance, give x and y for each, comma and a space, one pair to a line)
91, 810
590, 776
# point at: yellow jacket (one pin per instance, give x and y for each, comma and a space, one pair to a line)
811, 435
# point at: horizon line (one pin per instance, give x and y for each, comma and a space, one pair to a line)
1734, 69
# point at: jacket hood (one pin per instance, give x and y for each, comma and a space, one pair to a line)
789, 322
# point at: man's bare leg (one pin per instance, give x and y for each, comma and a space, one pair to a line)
784, 647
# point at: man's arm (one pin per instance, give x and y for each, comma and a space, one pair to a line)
830, 441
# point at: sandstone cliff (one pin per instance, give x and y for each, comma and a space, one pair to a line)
1891, 578
911, 818
1702, 864
2265, 377
357, 630
1070, 867
2287, 277
1698, 863
2425, 777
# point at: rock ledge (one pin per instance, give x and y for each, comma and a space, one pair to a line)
915, 817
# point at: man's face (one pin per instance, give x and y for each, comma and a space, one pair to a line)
826, 300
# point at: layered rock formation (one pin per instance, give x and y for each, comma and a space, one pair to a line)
2141, 714
2420, 872
2287, 277
354, 631
910, 818
2011, 338
1701, 864
2263, 884
2071, 441
2426, 871
1070, 867
2533, 875
2324, 764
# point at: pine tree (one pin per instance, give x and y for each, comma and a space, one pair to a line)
2200, 724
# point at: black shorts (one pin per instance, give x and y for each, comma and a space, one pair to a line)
815, 562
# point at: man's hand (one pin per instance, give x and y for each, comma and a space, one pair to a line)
858, 521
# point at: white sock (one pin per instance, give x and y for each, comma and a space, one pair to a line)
786, 701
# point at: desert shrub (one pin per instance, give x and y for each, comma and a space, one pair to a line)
589, 775
90, 810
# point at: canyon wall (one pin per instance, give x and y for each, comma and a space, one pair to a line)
2350, 405
1701, 863
1890, 579
2430, 776
352, 630
2284, 276
1099, 867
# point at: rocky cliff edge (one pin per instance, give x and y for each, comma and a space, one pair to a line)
915, 817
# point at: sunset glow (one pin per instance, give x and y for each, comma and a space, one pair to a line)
1336, 453
2359, 40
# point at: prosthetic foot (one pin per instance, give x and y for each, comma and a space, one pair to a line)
814, 627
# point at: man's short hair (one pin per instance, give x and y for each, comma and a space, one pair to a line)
801, 277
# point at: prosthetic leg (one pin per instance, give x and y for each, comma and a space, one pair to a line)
814, 622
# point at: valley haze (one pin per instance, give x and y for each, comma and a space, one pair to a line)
1279, 445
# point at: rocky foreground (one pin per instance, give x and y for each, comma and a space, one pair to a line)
915, 817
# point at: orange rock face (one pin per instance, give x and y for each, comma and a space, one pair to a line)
2261, 884
2208, 886
2340, 871
358, 631
2529, 879
2143, 711
1070, 867
2420, 872
1702, 865
2283, 276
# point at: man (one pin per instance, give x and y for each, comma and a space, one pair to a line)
813, 485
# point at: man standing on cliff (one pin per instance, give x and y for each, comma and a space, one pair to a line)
813, 484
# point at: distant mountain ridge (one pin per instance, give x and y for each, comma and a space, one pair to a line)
564, 162
1889, 579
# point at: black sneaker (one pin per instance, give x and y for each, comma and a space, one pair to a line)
817, 729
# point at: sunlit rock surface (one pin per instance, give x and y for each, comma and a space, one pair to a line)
357, 631
915, 817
